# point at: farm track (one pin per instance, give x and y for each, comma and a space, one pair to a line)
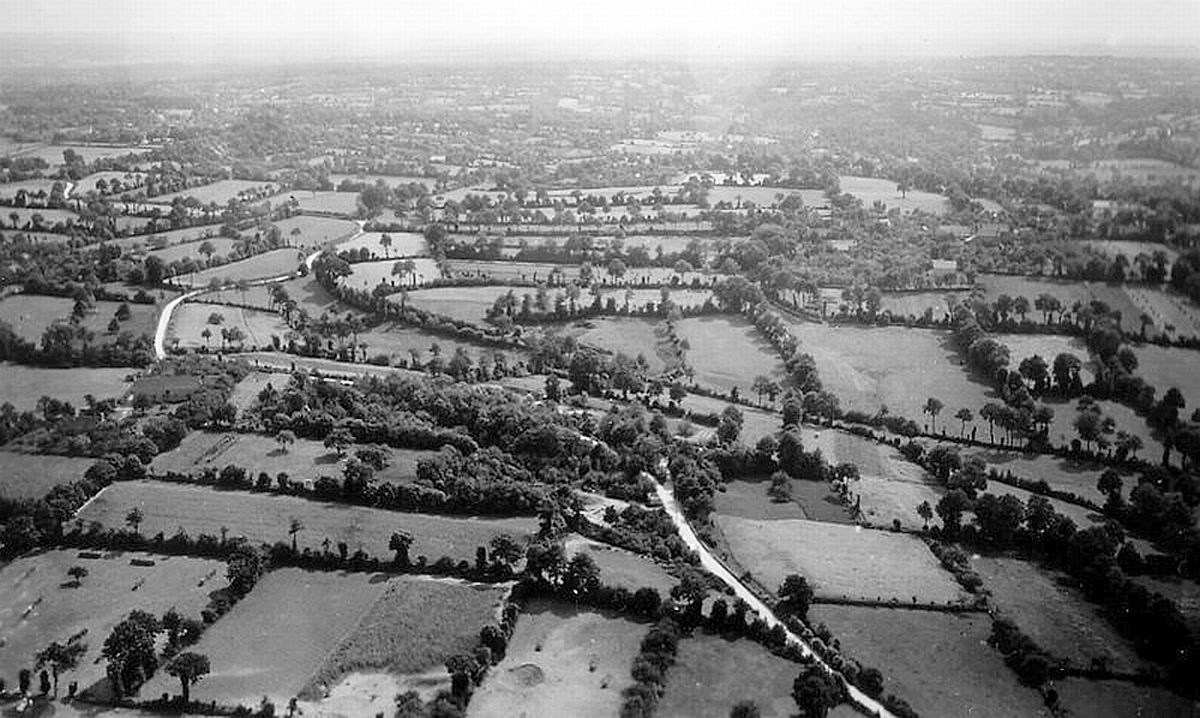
164, 319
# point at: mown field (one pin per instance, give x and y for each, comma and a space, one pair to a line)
30, 476
266, 518
726, 352
189, 320
305, 460
275, 263
278, 636
22, 386
1170, 314
561, 661
411, 629
939, 663
1058, 619
812, 500
840, 561
40, 603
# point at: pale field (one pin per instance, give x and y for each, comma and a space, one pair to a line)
50, 217
307, 292
1058, 619
39, 603
277, 636
631, 337
869, 190
266, 518
561, 662
292, 362
711, 674
389, 180
1084, 698
513, 271
22, 386
1066, 291
619, 567
895, 367
367, 275
9, 190
89, 183
220, 191
914, 304
169, 237
245, 394
1063, 474
189, 320
53, 154
277, 262
1047, 346
315, 231
727, 352
30, 476
222, 247
398, 341
343, 203
939, 663
404, 244
840, 561
1165, 369
304, 460
1163, 308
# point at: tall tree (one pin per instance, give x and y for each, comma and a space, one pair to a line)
189, 668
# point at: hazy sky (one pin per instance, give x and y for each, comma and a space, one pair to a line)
205, 30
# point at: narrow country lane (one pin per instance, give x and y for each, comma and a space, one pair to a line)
718, 569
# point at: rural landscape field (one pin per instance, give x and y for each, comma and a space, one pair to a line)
366, 360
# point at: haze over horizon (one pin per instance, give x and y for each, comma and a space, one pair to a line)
140, 31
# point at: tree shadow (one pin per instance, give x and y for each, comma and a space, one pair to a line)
326, 459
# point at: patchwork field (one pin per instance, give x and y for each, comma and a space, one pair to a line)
1121, 699
275, 263
22, 386
219, 192
305, 460
308, 294
894, 366
261, 517
561, 662
40, 604
189, 320
275, 638
726, 352
840, 561
712, 674
1057, 618
30, 476
939, 663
